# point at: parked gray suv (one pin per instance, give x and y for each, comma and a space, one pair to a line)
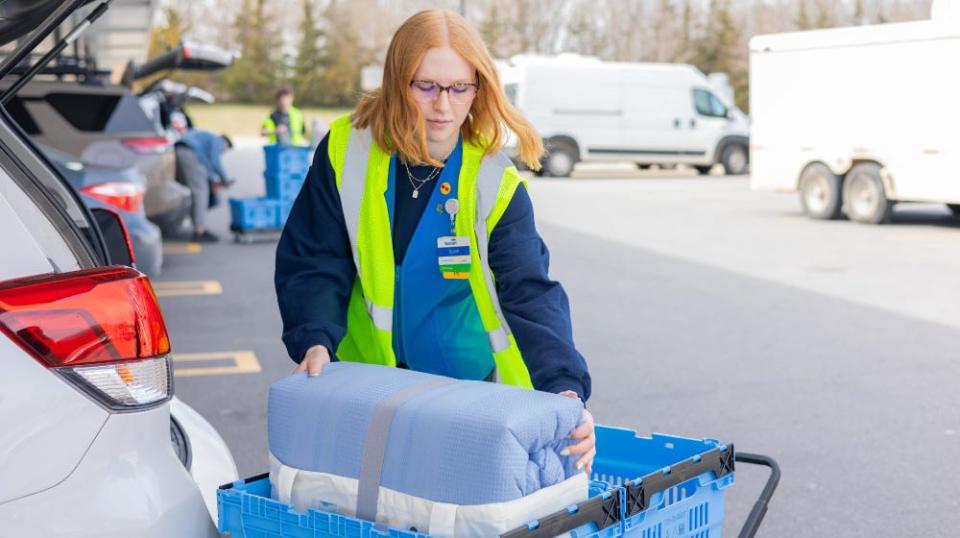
104, 124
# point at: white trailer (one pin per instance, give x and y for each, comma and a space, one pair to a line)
648, 113
857, 119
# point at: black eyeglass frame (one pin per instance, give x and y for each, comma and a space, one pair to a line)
442, 88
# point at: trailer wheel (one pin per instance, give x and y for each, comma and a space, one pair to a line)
643, 166
734, 160
559, 160
864, 196
820, 192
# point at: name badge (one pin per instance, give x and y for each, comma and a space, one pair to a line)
453, 256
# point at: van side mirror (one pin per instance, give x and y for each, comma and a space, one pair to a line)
115, 236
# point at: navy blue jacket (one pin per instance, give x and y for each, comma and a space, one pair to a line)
315, 275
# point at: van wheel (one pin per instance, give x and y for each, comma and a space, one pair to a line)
863, 195
734, 160
820, 192
704, 170
559, 161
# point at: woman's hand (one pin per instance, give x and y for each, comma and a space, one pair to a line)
313, 361
585, 437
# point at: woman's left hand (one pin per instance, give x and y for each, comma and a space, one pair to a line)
585, 437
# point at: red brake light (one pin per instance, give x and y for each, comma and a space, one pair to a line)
85, 317
186, 52
122, 195
152, 144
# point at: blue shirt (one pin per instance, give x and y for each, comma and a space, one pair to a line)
315, 275
209, 148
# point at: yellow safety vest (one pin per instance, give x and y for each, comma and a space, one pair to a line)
486, 186
296, 128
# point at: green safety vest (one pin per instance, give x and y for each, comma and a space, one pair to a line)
486, 186
296, 128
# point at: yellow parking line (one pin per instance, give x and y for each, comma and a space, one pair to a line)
182, 248
244, 362
187, 287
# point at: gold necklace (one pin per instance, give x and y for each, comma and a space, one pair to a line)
418, 183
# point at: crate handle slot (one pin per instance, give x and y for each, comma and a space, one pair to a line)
602, 511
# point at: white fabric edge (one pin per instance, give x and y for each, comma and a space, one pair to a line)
399, 510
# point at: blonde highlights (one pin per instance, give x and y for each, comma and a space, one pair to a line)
393, 117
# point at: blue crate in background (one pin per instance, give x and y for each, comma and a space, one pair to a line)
283, 187
287, 160
254, 213
672, 486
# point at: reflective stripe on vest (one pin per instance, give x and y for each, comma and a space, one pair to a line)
488, 188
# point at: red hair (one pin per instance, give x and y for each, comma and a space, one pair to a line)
394, 118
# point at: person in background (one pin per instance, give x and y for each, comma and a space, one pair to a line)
285, 125
443, 272
200, 168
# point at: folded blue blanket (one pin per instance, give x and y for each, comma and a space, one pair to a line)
467, 442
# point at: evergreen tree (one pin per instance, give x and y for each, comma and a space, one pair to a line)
253, 77
720, 49
311, 62
344, 58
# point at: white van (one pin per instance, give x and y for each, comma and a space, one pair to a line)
859, 118
648, 113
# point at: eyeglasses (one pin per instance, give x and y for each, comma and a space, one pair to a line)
460, 93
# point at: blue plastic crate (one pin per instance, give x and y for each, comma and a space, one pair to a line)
644, 487
254, 213
672, 486
283, 187
287, 160
245, 510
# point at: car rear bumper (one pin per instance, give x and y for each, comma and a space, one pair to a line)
169, 207
129, 483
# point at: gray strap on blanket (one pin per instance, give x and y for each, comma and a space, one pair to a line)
375, 444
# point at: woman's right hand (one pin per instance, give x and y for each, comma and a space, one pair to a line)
313, 361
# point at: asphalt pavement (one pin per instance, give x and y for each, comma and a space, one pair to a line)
704, 310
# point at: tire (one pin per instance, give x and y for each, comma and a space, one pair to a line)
704, 170
820, 194
559, 160
955, 209
643, 166
864, 197
735, 160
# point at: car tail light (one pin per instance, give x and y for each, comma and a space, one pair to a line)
101, 329
152, 144
122, 195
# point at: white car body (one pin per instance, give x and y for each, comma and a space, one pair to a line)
876, 94
646, 113
71, 467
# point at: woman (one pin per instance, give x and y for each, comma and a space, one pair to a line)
412, 242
